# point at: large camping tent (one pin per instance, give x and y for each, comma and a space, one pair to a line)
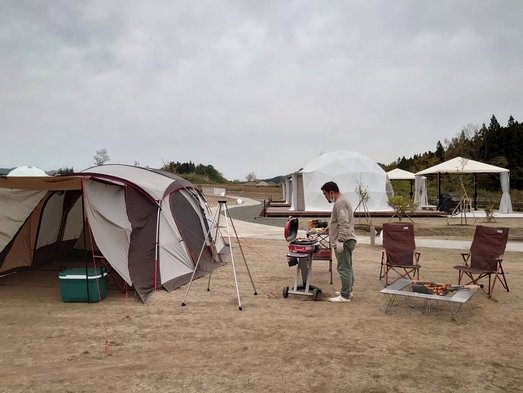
350, 170
462, 165
151, 226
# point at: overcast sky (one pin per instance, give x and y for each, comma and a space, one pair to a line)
250, 86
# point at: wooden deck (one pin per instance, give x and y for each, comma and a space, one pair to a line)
284, 211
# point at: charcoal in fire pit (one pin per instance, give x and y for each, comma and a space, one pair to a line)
430, 288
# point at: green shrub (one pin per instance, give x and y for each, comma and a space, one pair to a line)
402, 205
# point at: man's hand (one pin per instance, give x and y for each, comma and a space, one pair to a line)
339, 247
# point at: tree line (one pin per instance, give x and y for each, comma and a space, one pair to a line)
184, 169
188, 170
494, 145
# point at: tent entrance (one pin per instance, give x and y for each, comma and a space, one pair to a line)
189, 225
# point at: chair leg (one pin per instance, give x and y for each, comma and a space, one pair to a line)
501, 274
460, 277
490, 288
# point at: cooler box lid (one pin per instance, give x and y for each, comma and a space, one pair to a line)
79, 273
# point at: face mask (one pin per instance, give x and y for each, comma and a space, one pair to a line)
331, 199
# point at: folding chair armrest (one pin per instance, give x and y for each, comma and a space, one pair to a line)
417, 255
466, 257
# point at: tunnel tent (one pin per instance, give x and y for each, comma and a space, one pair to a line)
151, 226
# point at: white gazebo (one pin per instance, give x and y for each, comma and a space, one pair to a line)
401, 174
465, 165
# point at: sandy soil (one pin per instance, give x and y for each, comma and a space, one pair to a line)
273, 344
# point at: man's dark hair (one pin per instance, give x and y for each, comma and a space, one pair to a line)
330, 186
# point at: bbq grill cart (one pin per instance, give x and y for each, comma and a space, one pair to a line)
300, 255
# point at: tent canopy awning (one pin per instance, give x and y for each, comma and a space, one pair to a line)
462, 165
400, 174
42, 183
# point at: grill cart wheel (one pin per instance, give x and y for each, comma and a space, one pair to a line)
286, 292
315, 294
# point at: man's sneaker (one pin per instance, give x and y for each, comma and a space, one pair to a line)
338, 299
339, 294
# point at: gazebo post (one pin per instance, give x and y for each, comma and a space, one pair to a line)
439, 190
475, 193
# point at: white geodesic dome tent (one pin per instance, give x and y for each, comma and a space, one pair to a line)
349, 170
27, 170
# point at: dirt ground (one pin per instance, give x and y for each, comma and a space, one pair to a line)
273, 344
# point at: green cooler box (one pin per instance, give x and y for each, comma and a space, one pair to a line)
73, 284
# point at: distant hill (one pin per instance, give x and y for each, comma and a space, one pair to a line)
5, 171
277, 179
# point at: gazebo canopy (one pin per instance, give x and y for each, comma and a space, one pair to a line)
465, 165
400, 174
462, 165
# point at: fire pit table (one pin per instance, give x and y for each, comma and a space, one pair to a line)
454, 295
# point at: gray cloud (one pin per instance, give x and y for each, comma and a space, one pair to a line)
258, 87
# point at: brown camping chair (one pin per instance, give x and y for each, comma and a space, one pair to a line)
485, 257
399, 253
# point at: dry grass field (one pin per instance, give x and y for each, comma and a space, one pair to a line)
273, 344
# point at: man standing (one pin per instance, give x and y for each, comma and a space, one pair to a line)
342, 238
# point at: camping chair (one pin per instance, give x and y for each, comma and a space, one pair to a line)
399, 253
485, 257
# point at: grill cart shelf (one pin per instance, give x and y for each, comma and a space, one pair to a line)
303, 263
324, 252
301, 252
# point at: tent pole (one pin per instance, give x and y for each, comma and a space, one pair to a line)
85, 246
411, 181
439, 189
475, 193
156, 264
